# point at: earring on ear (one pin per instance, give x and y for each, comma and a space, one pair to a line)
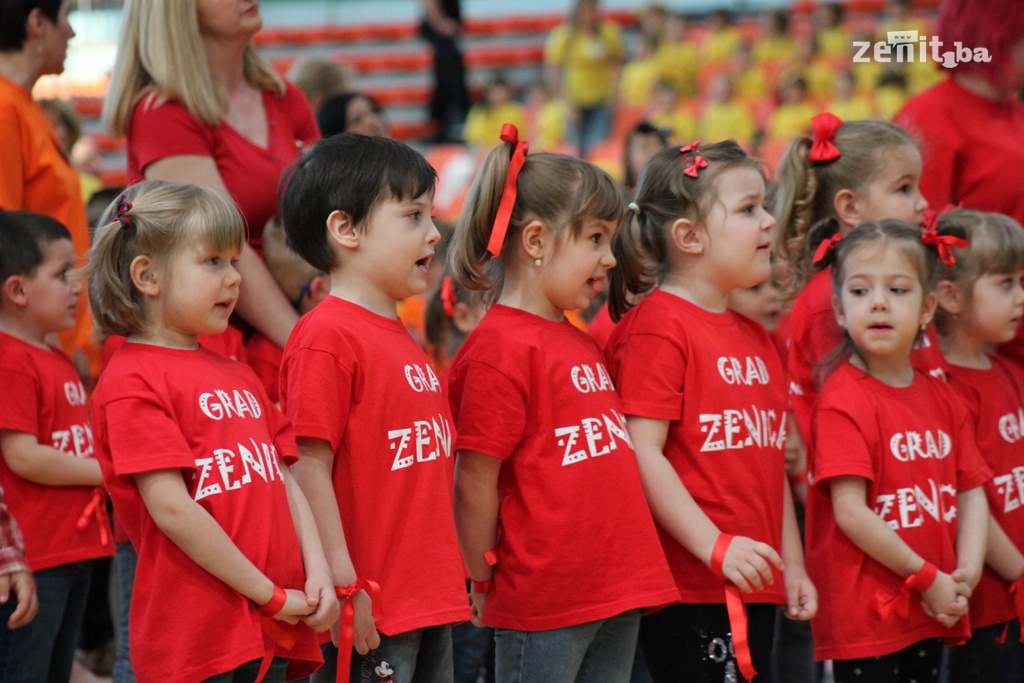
924, 326
537, 262
700, 249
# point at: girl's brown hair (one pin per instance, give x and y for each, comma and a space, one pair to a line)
807, 189
664, 194
162, 218
997, 248
558, 190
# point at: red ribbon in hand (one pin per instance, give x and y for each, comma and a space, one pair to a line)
823, 148
510, 134
827, 246
346, 631
97, 508
737, 611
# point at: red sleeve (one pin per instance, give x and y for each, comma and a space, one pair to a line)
490, 416
317, 395
144, 438
971, 470
840, 448
303, 121
284, 435
19, 402
651, 373
938, 150
167, 130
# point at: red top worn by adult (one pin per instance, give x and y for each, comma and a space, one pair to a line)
157, 408
42, 395
360, 382
995, 400
915, 447
250, 173
719, 382
577, 540
968, 142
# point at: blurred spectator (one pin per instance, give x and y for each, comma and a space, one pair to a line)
678, 56
651, 20
722, 39
776, 46
496, 107
846, 103
753, 83
793, 116
69, 132
640, 74
582, 61
725, 116
892, 92
816, 70
318, 78
449, 102
642, 142
547, 116
669, 116
351, 111
833, 39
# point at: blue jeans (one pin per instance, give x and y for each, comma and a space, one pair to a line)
472, 652
44, 649
246, 673
596, 652
420, 656
124, 568
594, 127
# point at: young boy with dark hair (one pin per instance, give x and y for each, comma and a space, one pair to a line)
373, 426
51, 479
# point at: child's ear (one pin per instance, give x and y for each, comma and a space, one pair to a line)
341, 230
145, 275
686, 237
848, 207
465, 318
928, 308
14, 290
950, 298
533, 238
837, 308
319, 288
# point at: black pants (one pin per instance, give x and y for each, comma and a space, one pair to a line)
919, 663
694, 642
449, 101
983, 659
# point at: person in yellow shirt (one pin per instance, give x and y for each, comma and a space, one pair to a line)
496, 107
793, 116
582, 61
640, 74
814, 68
891, 92
846, 103
834, 40
753, 83
776, 46
677, 56
669, 116
546, 117
651, 19
722, 40
724, 116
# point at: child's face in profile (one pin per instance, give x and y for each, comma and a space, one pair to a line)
761, 303
51, 293
396, 246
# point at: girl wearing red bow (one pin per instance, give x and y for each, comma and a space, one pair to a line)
549, 505
705, 397
848, 172
980, 305
897, 516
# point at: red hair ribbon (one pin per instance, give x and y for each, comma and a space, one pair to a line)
123, 207
827, 246
346, 633
944, 244
690, 147
448, 297
825, 127
696, 164
737, 612
509, 133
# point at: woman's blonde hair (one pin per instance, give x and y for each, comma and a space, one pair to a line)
807, 189
158, 219
160, 56
558, 190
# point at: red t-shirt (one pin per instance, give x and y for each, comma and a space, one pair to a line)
42, 395
601, 326
719, 382
915, 446
264, 357
251, 173
360, 382
157, 408
577, 542
995, 399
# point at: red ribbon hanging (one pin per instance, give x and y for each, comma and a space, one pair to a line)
737, 611
885, 606
823, 148
510, 134
96, 508
827, 246
274, 634
448, 298
346, 631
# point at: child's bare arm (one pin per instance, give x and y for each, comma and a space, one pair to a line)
801, 595
313, 475
880, 542
476, 516
319, 584
971, 534
198, 535
46, 465
746, 562
1001, 554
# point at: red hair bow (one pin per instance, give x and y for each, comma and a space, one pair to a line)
827, 246
690, 147
696, 164
509, 133
448, 297
944, 243
123, 207
825, 127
